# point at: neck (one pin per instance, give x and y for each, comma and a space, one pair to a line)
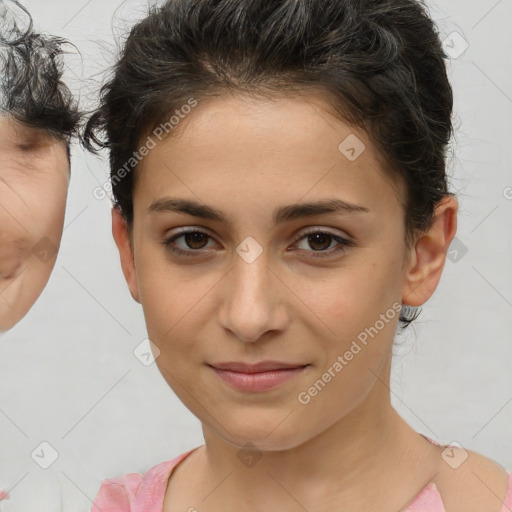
370, 444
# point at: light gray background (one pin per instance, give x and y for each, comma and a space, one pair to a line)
68, 373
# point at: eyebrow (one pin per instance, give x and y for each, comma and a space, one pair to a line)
281, 214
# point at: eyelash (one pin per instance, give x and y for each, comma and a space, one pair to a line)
344, 243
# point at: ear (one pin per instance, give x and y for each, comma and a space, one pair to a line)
122, 239
429, 254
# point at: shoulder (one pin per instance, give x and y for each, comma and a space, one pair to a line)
118, 492
122, 493
472, 482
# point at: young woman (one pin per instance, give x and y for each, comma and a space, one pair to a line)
281, 205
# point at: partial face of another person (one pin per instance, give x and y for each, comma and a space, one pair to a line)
34, 180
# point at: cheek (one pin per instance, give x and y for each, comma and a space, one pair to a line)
170, 303
13, 249
379, 277
38, 209
353, 298
48, 210
359, 308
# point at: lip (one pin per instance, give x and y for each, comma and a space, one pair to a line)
261, 376
263, 366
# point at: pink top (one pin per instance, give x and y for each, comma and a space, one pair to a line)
145, 493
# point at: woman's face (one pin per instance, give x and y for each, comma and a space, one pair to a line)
260, 287
34, 178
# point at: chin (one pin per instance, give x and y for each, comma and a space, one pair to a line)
272, 434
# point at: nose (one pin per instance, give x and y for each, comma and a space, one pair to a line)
253, 301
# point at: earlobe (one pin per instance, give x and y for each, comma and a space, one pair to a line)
427, 262
122, 239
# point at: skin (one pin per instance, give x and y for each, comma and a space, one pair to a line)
246, 157
34, 180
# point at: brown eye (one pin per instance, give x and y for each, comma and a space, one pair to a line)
319, 241
194, 242
195, 239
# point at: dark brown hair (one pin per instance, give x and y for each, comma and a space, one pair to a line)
380, 64
31, 67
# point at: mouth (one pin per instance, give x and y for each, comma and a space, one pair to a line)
261, 376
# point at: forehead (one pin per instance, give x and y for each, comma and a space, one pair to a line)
18, 139
239, 145
16, 132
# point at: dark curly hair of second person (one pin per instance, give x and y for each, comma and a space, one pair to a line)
31, 87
